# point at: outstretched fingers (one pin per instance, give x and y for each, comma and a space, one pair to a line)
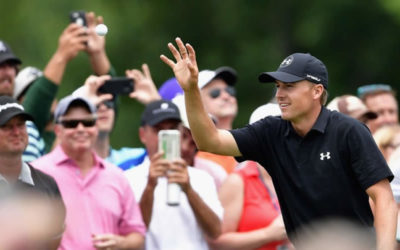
192, 58
146, 71
182, 48
167, 61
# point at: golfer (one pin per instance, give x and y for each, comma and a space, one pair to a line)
323, 164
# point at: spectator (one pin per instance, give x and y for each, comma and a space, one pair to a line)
353, 107
9, 64
388, 139
309, 151
38, 99
145, 91
198, 214
219, 98
380, 98
394, 163
252, 217
102, 211
18, 175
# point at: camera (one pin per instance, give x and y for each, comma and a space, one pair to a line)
117, 86
78, 17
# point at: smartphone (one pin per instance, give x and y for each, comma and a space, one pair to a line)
118, 86
170, 143
78, 17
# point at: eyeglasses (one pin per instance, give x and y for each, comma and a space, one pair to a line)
75, 123
369, 89
214, 93
109, 104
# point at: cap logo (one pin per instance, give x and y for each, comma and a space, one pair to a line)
164, 105
313, 77
3, 48
288, 60
11, 105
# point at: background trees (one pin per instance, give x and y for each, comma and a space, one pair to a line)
357, 40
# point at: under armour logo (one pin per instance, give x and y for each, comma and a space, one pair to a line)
287, 61
327, 156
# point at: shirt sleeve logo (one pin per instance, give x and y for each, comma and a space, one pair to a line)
327, 156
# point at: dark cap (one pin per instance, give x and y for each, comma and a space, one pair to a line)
6, 53
10, 108
158, 111
225, 73
297, 67
64, 104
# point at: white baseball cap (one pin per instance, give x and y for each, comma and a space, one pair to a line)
269, 109
225, 73
24, 79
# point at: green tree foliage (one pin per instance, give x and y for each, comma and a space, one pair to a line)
357, 40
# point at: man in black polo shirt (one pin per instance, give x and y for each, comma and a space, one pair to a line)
19, 181
323, 164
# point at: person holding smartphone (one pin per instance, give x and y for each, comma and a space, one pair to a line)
41, 91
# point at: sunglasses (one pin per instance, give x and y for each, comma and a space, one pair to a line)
109, 104
216, 92
74, 123
372, 88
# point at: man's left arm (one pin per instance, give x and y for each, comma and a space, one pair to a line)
385, 220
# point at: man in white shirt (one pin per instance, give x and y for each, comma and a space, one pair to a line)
199, 212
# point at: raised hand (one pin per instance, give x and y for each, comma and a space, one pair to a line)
96, 43
71, 41
185, 68
145, 89
90, 87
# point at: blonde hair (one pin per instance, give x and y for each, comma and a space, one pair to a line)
383, 136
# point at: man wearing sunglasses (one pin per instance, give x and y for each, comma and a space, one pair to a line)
381, 99
101, 208
219, 97
323, 164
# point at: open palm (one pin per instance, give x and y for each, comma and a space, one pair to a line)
185, 68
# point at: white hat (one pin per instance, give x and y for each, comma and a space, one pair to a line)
351, 106
269, 109
226, 73
24, 78
179, 101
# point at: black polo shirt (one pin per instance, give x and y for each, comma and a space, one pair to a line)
322, 175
